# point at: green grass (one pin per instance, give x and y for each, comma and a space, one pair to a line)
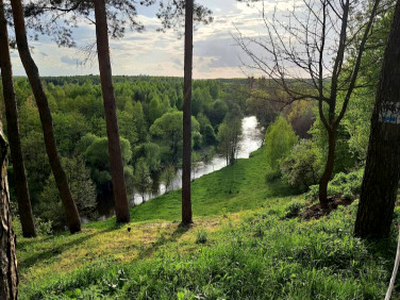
242, 246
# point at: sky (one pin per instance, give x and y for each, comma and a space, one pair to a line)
216, 54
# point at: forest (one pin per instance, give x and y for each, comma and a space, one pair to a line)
89, 205
149, 114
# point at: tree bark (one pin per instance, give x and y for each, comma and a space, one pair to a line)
382, 170
73, 219
326, 176
8, 260
114, 144
10, 101
187, 217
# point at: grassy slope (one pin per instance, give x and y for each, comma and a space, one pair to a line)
251, 250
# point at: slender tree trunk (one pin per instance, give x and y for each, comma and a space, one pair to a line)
187, 115
73, 220
8, 260
114, 144
382, 170
326, 176
10, 101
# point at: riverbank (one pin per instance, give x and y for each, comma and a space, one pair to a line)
241, 245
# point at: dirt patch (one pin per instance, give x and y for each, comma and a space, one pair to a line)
316, 211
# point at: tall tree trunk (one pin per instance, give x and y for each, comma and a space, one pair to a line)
10, 101
326, 176
382, 170
114, 144
187, 115
8, 260
73, 220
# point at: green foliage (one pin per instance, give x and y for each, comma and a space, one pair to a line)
357, 124
141, 177
156, 109
83, 192
96, 156
69, 128
228, 137
169, 130
279, 141
209, 137
343, 185
168, 175
127, 127
303, 166
218, 111
258, 105
293, 209
344, 160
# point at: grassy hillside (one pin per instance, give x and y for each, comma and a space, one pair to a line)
242, 246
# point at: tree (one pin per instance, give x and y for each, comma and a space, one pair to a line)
382, 170
187, 115
95, 152
169, 130
8, 260
10, 101
73, 220
279, 141
141, 177
228, 138
301, 51
83, 190
168, 176
114, 144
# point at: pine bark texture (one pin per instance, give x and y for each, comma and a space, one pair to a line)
8, 260
71, 211
10, 101
382, 170
187, 115
114, 143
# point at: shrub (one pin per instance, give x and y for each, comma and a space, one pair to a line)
83, 192
342, 185
303, 166
279, 141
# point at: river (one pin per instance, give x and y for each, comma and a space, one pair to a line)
250, 141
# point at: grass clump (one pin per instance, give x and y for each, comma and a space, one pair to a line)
346, 186
201, 237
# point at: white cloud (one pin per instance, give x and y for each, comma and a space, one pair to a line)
156, 53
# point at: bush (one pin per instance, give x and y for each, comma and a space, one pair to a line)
303, 166
83, 192
279, 141
293, 209
343, 185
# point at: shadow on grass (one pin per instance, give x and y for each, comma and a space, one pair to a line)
56, 249
52, 253
162, 240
